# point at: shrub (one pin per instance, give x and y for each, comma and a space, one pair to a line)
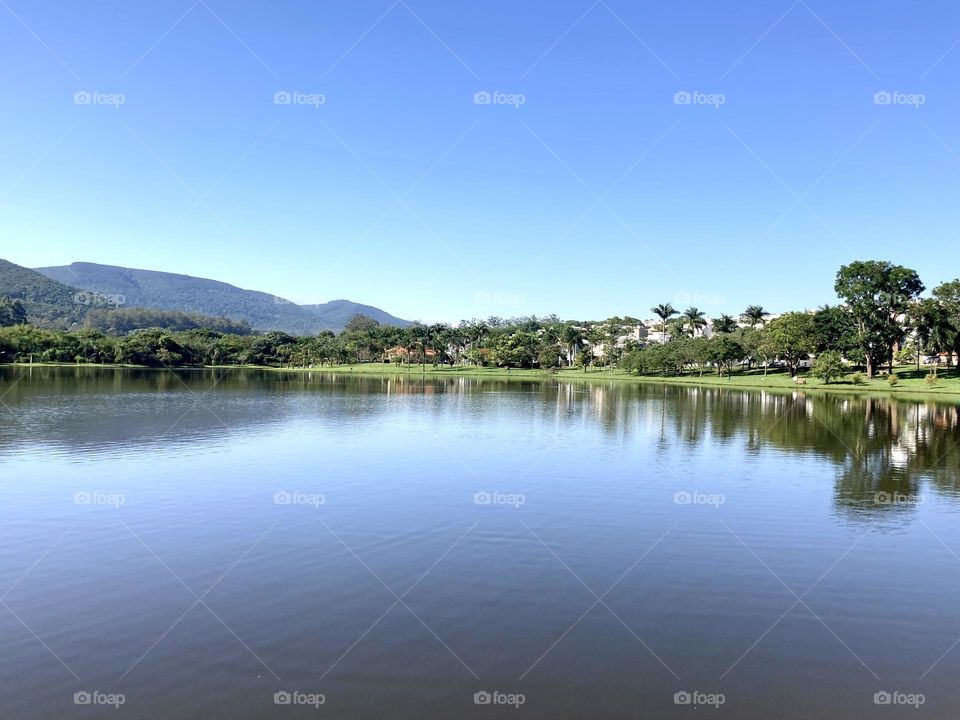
893, 379
828, 366
858, 378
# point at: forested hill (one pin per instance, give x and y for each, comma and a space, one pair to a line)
47, 302
170, 291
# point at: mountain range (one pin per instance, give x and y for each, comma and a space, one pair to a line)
61, 295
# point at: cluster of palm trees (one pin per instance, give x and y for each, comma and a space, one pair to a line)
693, 321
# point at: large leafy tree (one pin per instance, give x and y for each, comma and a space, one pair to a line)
836, 330
359, 322
877, 294
948, 294
792, 337
933, 328
723, 351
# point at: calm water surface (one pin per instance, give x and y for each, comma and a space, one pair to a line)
200, 541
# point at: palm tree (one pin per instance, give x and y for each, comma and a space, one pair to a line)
694, 319
572, 338
678, 327
755, 315
664, 312
724, 324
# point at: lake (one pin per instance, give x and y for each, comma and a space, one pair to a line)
249, 544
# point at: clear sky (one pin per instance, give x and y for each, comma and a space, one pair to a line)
586, 188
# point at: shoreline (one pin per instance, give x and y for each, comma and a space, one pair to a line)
908, 388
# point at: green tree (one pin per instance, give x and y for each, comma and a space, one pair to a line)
828, 366
724, 324
585, 358
572, 338
755, 315
664, 312
359, 321
694, 319
792, 337
723, 351
11, 312
836, 330
948, 294
877, 293
932, 327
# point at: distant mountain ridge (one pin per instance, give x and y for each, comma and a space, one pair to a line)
185, 293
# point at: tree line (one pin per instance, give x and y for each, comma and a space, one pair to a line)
882, 319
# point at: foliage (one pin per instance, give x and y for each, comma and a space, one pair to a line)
12, 312
792, 338
828, 366
754, 315
120, 321
877, 292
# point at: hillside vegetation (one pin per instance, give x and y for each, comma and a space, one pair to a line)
185, 293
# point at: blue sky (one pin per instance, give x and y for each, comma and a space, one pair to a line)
600, 194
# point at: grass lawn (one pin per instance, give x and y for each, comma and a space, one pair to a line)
911, 382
